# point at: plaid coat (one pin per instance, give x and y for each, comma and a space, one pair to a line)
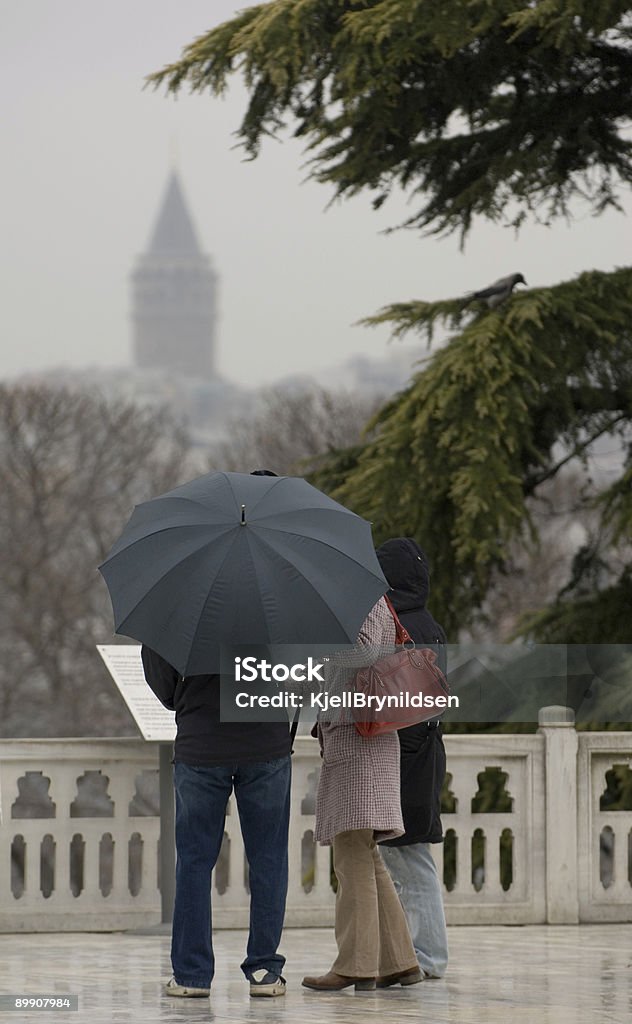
359, 779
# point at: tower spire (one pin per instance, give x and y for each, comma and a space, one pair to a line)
174, 231
174, 294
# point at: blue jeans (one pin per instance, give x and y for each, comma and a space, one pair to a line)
262, 792
416, 880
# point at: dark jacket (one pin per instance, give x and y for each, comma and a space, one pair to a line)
202, 739
421, 746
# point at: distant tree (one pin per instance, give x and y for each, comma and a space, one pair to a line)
539, 562
72, 466
469, 107
292, 430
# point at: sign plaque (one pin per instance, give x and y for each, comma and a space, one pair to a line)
124, 664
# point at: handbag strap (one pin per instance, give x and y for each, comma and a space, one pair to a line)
402, 636
294, 728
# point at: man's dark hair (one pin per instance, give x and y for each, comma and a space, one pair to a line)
263, 472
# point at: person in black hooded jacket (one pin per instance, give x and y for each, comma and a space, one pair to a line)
423, 765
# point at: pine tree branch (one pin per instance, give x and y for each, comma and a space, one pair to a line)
533, 481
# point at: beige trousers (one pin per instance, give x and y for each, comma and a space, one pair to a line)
371, 929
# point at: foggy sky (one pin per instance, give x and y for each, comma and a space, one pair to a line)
86, 157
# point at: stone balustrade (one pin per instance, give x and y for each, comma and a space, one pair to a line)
532, 835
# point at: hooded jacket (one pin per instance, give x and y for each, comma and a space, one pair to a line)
421, 746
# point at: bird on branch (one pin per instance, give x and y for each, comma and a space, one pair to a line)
497, 292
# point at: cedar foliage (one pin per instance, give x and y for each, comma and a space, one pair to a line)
493, 108
466, 106
514, 396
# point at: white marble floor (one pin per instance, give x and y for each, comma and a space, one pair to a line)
497, 975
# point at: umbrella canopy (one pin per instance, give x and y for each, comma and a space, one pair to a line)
232, 558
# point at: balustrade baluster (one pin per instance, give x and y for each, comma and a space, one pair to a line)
534, 822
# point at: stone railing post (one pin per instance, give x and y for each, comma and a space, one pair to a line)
557, 725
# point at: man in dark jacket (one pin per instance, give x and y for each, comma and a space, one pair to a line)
213, 758
423, 763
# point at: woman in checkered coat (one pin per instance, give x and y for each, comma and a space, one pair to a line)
357, 805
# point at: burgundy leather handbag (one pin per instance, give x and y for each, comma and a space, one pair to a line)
409, 674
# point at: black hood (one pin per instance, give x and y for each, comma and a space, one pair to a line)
406, 568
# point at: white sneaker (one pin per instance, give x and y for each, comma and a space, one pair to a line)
265, 983
185, 991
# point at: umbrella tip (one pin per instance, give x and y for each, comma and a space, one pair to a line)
243, 515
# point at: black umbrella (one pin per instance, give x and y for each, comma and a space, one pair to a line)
232, 558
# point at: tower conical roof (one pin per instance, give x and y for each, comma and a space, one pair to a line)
174, 231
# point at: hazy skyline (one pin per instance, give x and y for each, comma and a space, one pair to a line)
87, 155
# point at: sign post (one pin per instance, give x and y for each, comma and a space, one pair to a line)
156, 725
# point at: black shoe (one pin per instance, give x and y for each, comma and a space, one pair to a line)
266, 983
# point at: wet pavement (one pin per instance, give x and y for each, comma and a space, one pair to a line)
497, 975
